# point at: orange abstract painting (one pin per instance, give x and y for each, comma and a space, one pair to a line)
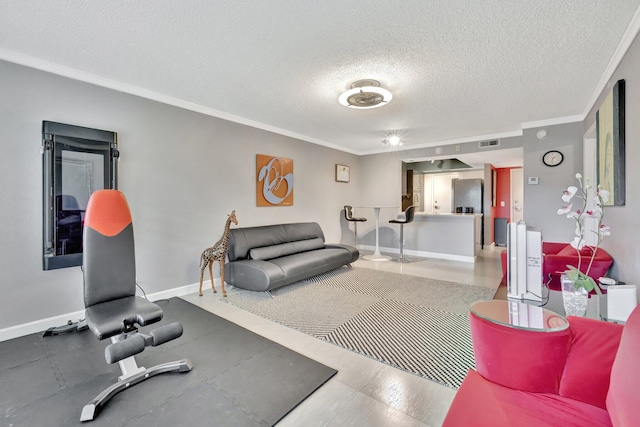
274, 181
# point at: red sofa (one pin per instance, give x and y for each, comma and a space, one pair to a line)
587, 375
556, 257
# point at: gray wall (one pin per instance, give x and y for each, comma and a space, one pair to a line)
381, 184
182, 173
542, 201
623, 244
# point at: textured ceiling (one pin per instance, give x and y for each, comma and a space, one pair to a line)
459, 69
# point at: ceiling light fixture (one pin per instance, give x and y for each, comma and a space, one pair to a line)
365, 94
392, 139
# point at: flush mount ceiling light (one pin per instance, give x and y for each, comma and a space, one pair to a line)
392, 139
365, 94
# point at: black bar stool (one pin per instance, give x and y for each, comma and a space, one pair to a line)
348, 215
408, 218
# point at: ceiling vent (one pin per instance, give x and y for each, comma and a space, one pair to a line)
487, 144
365, 94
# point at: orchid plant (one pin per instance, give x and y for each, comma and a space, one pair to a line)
581, 215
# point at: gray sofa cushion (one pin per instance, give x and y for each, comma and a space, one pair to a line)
242, 240
283, 249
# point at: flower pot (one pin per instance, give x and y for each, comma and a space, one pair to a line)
574, 300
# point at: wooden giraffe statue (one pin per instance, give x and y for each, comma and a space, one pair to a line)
217, 252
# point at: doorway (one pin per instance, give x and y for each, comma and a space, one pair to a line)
517, 195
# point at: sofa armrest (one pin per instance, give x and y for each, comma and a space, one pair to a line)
355, 254
594, 345
622, 399
254, 275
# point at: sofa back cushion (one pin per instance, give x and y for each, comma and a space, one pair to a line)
242, 240
557, 257
622, 399
284, 249
586, 375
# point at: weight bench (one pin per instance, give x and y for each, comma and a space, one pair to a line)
112, 309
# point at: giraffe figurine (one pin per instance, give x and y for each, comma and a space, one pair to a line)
217, 252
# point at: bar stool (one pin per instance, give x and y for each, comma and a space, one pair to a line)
408, 218
348, 215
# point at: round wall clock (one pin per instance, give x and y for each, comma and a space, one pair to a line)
552, 158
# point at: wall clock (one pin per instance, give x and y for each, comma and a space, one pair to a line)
552, 158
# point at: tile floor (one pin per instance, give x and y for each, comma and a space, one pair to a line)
366, 392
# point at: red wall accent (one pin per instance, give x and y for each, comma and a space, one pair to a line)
503, 190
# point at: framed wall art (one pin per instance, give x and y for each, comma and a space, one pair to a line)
343, 173
274, 181
610, 150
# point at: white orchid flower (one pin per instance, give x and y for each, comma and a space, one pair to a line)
574, 215
577, 243
585, 218
568, 194
603, 194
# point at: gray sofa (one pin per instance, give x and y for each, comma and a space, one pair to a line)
271, 256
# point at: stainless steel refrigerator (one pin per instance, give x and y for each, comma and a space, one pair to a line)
467, 198
467, 195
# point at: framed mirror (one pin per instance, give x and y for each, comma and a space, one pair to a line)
76, 161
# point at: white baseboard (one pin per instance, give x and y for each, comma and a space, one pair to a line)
39, 325
49, 322
423, 254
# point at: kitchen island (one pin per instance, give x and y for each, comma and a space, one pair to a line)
449, 236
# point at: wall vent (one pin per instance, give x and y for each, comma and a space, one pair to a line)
487, 144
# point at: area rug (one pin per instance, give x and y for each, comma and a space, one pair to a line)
238, 378
417, 324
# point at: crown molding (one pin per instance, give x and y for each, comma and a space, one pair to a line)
83, 76
627, 40
509, 134
552, 122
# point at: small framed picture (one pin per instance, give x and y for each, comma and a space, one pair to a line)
343, 173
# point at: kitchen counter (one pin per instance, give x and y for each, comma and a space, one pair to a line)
444, 235
456, 215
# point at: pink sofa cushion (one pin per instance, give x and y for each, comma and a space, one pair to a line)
588, 369
520, 359
623, 403
573, 252
479, 402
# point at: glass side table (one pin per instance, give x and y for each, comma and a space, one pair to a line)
516, 314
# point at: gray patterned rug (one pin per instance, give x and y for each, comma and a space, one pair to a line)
417, 324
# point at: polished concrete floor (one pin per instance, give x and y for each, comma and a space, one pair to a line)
366, 392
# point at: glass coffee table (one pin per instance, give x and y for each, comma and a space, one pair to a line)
518, 315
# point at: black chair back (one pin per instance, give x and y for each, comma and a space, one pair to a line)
348, 212
409, 214
109, 262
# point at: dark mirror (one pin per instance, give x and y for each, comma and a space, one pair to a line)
76, 162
